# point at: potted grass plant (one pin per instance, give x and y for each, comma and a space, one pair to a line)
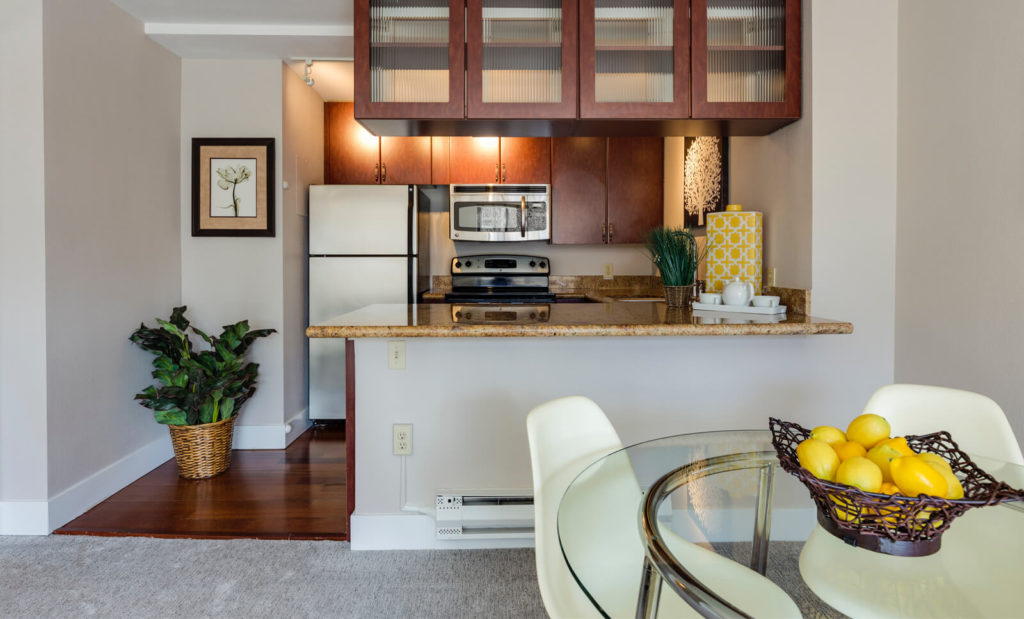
674, 251
199, 390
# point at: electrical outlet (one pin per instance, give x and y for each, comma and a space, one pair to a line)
609, 270
396, 355
769, 277
401, 439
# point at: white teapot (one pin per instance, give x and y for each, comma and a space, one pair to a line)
737, 292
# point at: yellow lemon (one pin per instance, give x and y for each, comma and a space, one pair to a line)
868, 429
845, 510
889, 488
861, 473
937, 461
914, 476
848, 449
829, 434
954, 489
881, 454
818, 457
900, 444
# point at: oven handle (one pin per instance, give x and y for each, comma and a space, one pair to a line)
522, 219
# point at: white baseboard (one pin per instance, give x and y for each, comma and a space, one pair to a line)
24, 518
298, 424
259, 437
413, 532
76, 500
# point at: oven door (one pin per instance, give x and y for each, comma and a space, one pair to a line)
500, 217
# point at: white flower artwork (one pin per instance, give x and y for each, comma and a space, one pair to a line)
233, 186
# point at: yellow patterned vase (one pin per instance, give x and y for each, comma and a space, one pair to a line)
735, 248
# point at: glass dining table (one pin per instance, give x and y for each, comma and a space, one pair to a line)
627, 525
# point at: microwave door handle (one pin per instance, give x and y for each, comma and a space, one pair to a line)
522, 218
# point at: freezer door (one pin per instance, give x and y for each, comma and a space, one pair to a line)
360, 220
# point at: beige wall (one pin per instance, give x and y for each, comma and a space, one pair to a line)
225, 279
22, 260
303, 161
111, 106
959, 278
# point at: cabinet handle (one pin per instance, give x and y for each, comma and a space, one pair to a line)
503, 177
383, 173
495, 173
611, 232
376, 172
604, 233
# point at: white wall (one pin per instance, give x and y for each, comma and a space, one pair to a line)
959, 280
23, 406
225, 279
303, 161
471, 432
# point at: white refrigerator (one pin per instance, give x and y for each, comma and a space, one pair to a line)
364, 248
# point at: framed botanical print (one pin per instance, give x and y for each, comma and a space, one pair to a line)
233, 187
705, 178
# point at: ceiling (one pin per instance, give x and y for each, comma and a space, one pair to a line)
288, 30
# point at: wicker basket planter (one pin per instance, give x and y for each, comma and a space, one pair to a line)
203, 450
892, 524
680, 296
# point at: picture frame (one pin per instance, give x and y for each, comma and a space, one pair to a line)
705, 178
233, 187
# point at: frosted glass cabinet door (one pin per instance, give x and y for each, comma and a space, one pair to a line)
746, 58
521, 60
634, 59
409, 58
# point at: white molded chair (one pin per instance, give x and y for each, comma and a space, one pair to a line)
567, 435
954, 582
976, 423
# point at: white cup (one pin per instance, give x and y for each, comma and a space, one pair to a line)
711, 298
766, 300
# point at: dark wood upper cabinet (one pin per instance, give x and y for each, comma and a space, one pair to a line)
409, 58
634, 59
352, 154
525, 160
405, 161
746, 59
521, 58
475, 160
636, 183
579, 193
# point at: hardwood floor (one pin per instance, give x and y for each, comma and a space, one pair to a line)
295, 493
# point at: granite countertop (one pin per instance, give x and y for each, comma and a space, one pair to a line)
634, 318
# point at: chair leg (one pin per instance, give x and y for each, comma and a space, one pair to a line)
650, 592
763, 520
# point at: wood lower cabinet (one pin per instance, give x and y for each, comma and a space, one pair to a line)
579, 194
354, 156
636, 182
500, 160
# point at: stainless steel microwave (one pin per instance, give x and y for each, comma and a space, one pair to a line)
500, 212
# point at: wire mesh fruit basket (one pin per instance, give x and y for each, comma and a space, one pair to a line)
892, 524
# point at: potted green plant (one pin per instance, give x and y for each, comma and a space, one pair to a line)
674, 251
199, 391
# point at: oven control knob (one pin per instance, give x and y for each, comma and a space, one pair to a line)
543, 315
469, 263
533, 314
533, 263
543, 264
458, 314
458, 265
469, 315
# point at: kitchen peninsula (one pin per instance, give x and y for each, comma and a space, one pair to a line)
466, 389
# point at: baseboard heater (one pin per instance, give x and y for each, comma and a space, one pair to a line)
484, 515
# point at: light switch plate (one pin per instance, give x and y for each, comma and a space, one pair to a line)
609, 270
